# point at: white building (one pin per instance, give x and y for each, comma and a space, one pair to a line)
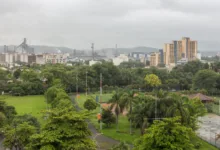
93, 62
55, 58
121, 58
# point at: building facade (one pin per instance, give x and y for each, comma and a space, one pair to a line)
155, 59
121, 58
175, 51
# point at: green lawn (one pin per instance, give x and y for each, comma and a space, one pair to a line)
33, 105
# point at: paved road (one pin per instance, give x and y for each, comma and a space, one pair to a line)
103, 142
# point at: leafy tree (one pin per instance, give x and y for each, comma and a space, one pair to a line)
51, 94
90, 104
18, 136
172, 83
65, 130
17, 91
152, 80
108, 117
29, 75
17, 73
205, 79
166, 134
7, 112
31, 120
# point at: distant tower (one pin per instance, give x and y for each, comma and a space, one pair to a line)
92, 51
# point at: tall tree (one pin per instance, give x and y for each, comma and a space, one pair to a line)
166, 134
205, 79
127, 99
65, 130
115, 104
152, 80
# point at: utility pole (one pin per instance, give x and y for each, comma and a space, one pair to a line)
86, 83
76, 86
92, 51
100, 100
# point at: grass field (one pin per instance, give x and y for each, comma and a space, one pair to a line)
33, 105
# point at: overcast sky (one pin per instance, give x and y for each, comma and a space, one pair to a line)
129, 23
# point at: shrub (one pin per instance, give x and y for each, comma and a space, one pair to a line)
107, 117
90, 104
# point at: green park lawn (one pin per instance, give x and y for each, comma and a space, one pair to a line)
33, 105
124, 128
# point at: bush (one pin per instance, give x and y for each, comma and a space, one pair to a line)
90, 104
17, 91
107, 117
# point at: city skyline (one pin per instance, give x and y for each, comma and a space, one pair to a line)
78, 23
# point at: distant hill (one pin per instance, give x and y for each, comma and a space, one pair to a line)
52, 49
134, 49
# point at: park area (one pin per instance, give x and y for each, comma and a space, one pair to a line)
35, 105
123, 133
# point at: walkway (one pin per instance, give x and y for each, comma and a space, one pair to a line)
103, 142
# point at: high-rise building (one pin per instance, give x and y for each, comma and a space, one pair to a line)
177, 50
155, 59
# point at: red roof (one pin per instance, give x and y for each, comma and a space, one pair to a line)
202, 97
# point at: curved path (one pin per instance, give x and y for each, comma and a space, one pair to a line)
103, 142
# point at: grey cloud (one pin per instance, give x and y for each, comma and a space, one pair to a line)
77, 23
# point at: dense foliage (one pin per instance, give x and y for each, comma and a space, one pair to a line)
34, 80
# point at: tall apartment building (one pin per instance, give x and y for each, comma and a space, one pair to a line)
155, 59
177, 50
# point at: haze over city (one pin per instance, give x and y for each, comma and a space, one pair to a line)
128, 23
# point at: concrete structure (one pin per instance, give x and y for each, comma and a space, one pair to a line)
93, 62
175, 51
55, 58
121, 58
155, 59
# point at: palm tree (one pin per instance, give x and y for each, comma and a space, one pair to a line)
143, 108
115, 101
179, 107
126, 102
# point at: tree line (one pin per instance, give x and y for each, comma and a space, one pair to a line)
35, 80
